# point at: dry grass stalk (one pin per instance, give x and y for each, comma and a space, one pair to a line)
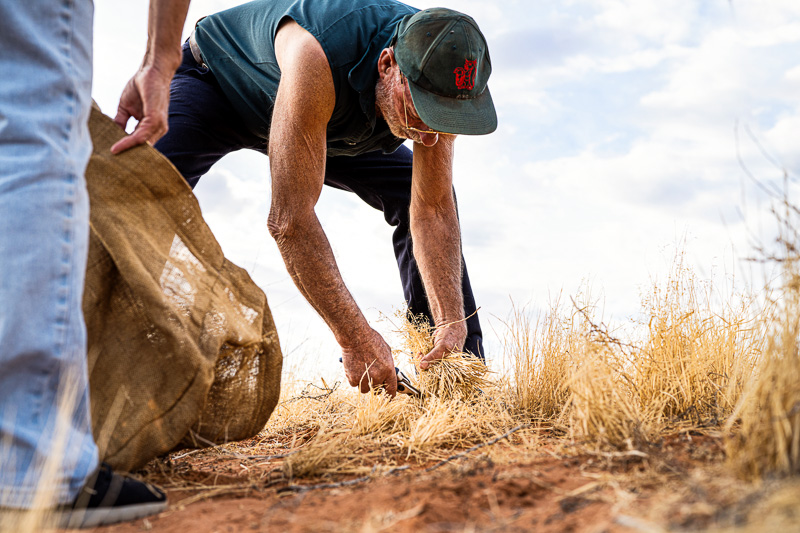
538, 357
603, 408
695, 360
768, 440
456, 376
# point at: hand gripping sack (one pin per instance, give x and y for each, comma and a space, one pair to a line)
182, 346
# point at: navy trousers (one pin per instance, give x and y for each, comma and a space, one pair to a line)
203, 127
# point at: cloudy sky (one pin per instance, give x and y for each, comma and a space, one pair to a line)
628, 130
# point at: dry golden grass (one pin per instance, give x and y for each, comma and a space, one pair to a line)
457, 376
688, 367
356, 433
566, 371
765, 431
603, 406
537, 355
685, 366
688, 371
696, 359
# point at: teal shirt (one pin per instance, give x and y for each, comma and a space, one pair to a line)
238, 45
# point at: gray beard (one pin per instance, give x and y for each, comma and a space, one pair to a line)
384, 90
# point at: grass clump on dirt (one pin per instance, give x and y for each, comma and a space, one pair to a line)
684, 366
538, 353
764, 433
456, 376
361, 433
634, 409
697, 357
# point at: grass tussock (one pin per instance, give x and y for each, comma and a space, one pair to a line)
695, 360
537, 352
764, 434
456, 376
351, 433
685, 365
603, 406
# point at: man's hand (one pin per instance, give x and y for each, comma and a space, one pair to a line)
145, 98
370, 363
445, 340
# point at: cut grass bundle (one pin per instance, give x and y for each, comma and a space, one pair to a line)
456, 376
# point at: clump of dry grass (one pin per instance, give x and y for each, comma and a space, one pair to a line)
355, 432
603, 406
538, 355
456, 376
687, 368
767, 441
696, 359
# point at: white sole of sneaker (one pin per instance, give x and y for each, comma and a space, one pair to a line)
102, 516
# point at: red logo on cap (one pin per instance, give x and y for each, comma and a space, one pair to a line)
465, 76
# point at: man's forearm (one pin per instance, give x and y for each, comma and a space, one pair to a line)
164, 27
309, 260
437, 250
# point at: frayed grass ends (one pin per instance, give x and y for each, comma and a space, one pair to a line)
456, 376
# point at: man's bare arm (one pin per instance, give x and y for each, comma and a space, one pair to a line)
437, 243
297, 151
146, 95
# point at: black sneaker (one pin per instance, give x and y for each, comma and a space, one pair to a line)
108, 498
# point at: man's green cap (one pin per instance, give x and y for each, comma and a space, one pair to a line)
444, 56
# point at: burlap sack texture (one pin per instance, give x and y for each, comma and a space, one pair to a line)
182, 346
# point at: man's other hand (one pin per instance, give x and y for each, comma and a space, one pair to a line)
145, 98
446, 340
370, 362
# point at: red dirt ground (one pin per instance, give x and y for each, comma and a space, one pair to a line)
532, 490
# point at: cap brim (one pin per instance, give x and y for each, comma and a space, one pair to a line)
473, 116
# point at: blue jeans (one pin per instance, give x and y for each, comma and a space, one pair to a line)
46, 440
203, 127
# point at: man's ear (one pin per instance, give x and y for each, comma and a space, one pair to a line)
386, 62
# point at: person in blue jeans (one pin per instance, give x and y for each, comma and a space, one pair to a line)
329, 90
48, 457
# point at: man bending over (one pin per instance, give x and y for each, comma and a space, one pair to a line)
330, 90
